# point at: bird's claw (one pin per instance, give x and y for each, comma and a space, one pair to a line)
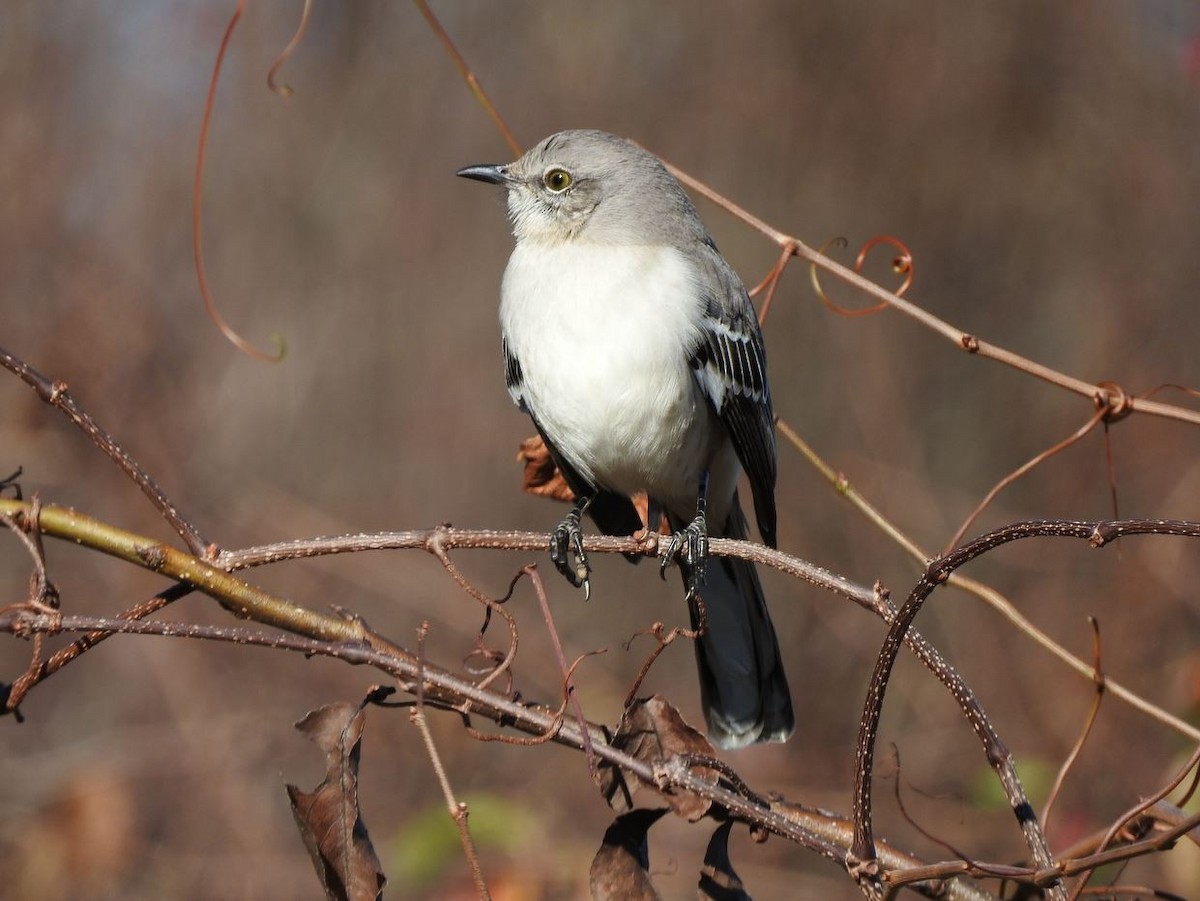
690, 546
567, 554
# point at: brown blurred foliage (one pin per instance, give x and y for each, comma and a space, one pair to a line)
1040, 160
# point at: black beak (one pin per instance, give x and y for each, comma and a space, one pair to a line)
492, 173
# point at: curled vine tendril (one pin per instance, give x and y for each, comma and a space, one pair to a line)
902, 264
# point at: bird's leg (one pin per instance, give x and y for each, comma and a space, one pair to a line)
567, 542
691, 544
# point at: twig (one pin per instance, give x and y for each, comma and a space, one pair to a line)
568, 687
284, 90
1093, 712
210, 305
436, 547
986, 593
771, 284
81, 645
469, 77
40, 588
1021, 470
840, 831
457, 809
56, 394
42, 599
1140, 808
655, 630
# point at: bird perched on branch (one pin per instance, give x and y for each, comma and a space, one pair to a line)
634, 348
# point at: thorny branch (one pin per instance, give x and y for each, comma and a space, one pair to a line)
350, 640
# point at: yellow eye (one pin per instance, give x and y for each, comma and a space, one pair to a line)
557, 180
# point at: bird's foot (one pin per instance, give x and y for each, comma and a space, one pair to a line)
566, 552
690, 545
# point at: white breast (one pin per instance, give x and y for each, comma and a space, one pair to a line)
602, 334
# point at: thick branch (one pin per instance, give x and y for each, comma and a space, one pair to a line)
938, 572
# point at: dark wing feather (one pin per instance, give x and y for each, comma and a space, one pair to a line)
731, 367
514, 378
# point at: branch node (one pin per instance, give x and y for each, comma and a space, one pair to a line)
1101, 535
1113, 400
864, 871
152, 555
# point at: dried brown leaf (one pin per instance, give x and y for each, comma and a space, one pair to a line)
328, 817
653, 731
621, 866
717, 878
541, 475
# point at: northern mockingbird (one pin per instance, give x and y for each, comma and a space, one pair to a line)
634, 348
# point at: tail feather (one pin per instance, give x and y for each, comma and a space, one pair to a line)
743, 688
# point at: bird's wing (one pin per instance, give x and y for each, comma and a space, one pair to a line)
730, 365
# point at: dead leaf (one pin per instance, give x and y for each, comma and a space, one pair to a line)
541, 475
651, 731
328, 817
717, 878
621, 868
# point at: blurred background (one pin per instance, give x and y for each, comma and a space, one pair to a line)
1042, 162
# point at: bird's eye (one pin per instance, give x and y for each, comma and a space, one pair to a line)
557, 180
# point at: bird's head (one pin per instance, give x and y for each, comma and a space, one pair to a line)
591, 185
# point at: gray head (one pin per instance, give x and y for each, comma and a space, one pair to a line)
587, 185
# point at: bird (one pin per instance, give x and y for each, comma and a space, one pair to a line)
635, 349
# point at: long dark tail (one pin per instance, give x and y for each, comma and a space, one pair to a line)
743, 688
